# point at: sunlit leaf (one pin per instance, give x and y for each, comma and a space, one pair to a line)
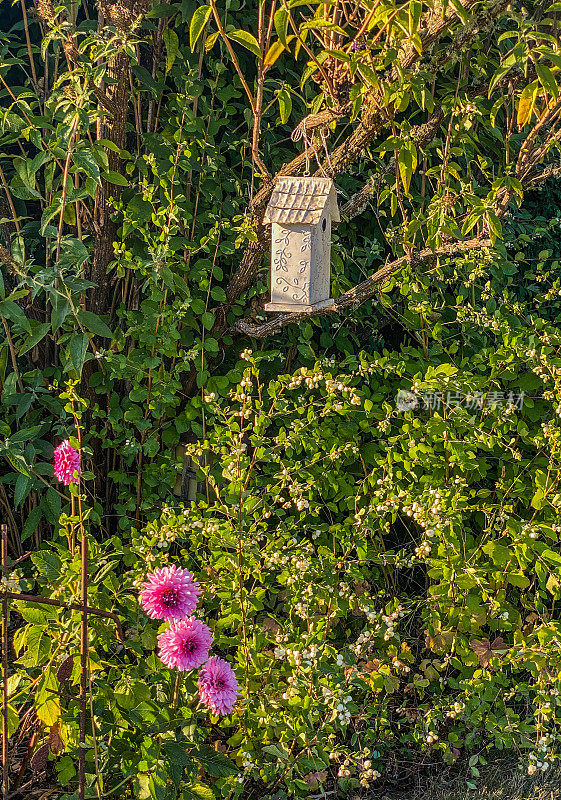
198, 22
247, 40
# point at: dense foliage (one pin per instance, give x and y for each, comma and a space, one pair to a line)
369, 499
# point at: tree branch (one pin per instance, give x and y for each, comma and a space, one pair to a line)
374, 117
363, 291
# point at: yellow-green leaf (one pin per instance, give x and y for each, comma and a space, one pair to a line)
526, 103
47, 703
198, 22
171, 40
273, 53
211, 41
247, 40
69, 215
281, 20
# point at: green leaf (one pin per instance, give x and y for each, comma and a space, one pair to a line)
171, 40
115, 177
551, 555
177, 753
39, 332
276, 750
21, 489
368, 74
24, 435
86, 162
36, 614
77, 350
247, 40
14, 313
198, 22
547, 80
498, 554
216, 764
94, 324
47, 704
208, 320
519, 580
197, 791
31, 524
285, 105
407, 162
281, 20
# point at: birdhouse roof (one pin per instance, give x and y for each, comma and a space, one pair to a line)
302, 201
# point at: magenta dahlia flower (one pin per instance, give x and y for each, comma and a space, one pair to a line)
67, 463
218, 687
185, 645
170, 593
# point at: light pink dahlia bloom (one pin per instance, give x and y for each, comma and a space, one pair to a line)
185, 645
67, 462
218, 687
170, 593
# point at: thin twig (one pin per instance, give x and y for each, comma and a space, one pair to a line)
12, 352
49, 601
5, 762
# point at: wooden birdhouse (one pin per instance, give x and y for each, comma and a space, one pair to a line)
301, 211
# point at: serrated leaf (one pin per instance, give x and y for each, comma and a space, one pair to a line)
247, 40
35, 614
177, 753
47, 704
197, 26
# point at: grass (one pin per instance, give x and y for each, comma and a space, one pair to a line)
500, 779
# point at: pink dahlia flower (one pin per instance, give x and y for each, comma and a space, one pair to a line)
185, 645
218, 687
67, 462
170, 593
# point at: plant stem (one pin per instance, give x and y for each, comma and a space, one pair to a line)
5, 763
176, 690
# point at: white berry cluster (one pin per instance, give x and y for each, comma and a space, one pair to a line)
10, 583
368, 774
456, 709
